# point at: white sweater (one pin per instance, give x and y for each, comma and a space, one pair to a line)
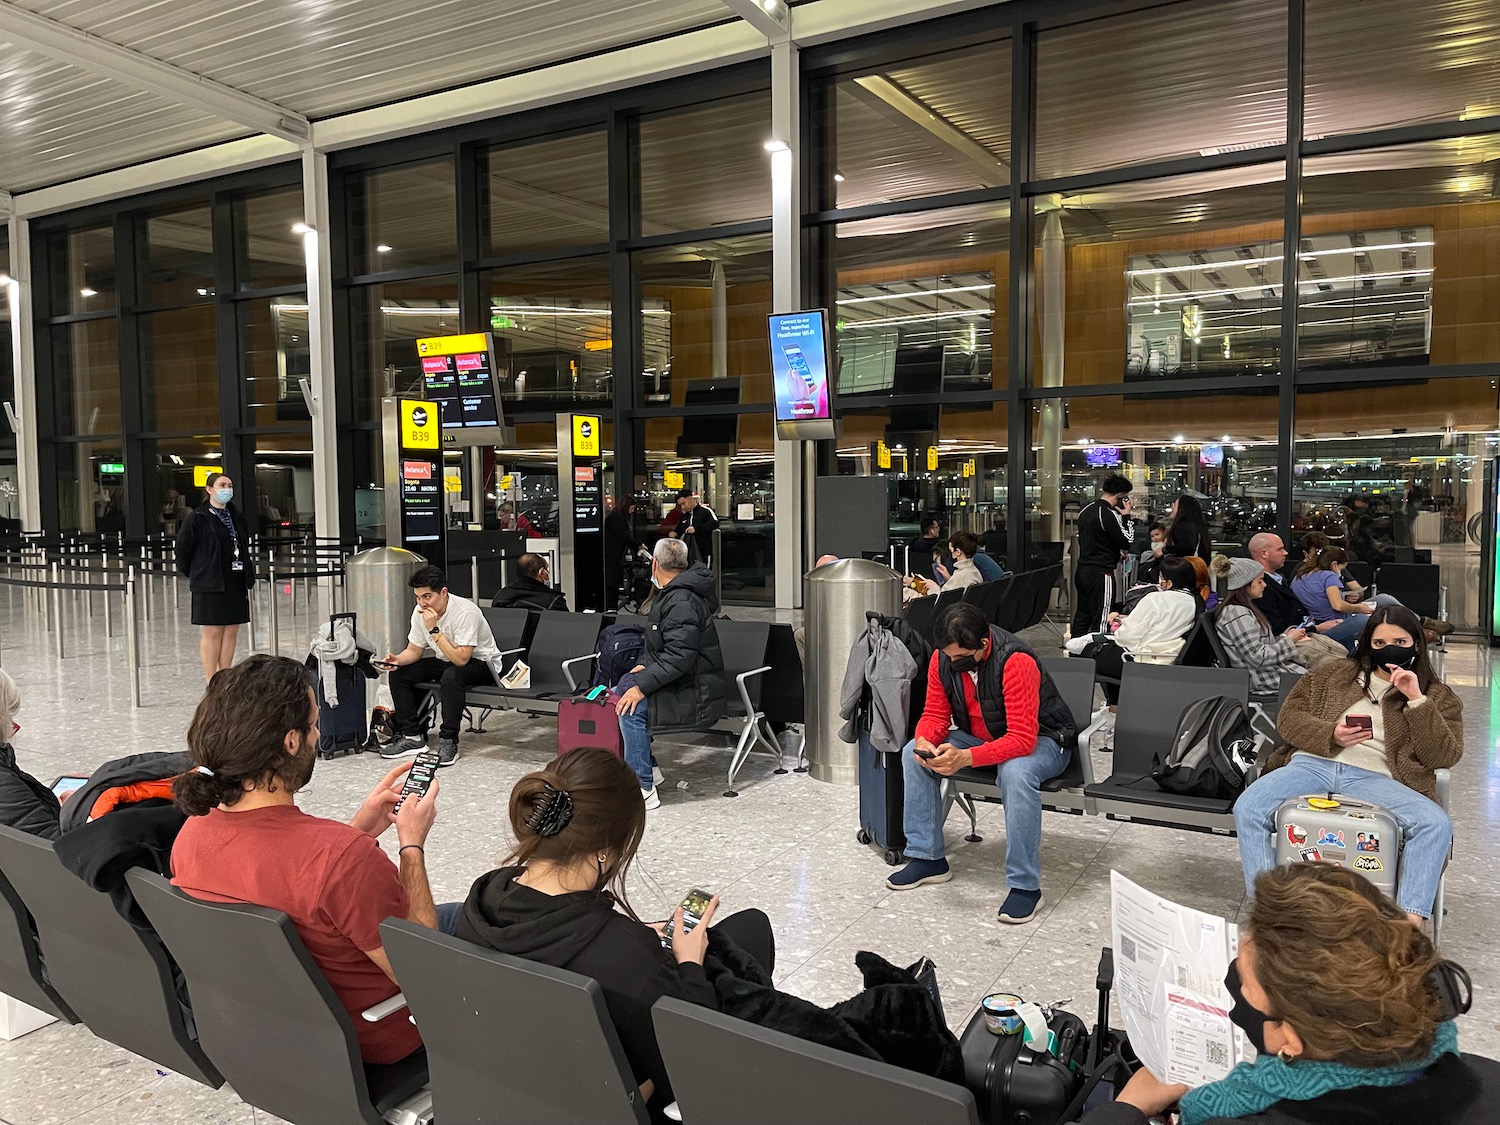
1154, 631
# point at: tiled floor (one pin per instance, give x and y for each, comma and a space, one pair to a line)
786, 845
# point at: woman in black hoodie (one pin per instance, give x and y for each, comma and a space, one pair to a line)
560, 900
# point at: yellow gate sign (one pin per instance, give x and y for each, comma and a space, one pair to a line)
419, 424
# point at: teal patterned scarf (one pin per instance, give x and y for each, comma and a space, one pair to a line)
1255, 1086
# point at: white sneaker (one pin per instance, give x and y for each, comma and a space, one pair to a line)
657, 777
651, 799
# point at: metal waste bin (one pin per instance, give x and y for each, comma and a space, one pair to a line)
379, 591
836, 597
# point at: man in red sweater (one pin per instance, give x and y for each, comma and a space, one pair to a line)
989, 703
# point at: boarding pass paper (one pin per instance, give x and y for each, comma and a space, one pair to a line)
1170, 963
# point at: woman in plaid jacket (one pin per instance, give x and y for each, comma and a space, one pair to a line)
1246, 634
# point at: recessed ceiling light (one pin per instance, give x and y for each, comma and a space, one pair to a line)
838, 177
87, 292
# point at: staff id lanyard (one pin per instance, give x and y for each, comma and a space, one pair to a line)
228, 522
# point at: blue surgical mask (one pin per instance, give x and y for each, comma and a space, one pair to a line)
654, 582
223, 495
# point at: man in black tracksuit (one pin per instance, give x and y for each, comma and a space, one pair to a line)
1105, 533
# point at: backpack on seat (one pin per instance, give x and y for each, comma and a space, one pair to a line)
620, 648
1212, 752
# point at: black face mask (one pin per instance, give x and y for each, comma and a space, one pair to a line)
1397, 656
1244, 1015
967, 662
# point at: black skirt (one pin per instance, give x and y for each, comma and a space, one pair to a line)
224, 607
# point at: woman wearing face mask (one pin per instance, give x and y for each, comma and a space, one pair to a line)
213, 552
1351, 1013
1415, 727
1154, 630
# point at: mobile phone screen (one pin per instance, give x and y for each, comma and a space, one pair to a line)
419, 777
694, 905
65, 786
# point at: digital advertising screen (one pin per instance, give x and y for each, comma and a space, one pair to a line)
1211, 456
1102, 456
458, 375
802, 375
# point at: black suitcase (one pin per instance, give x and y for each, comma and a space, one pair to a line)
343, 729
882, 797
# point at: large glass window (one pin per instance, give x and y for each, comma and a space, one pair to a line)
173, 468
82, 268
1220, 448
1175, 80
1162, 278
7, 354
179, 370
1400, 257
283, 482
91, 486
920, 127
86, 375
705, 167
388, 320
268, 252
1394, 473
1389, 62
402, 218
703, 321
546, 194
176, 256
921, 301
553, 340
274, 357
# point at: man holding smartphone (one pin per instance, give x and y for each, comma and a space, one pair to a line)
989, 703
1105, 533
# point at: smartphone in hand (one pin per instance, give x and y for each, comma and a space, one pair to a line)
1363, 722
419, 777
925, 755
695, 904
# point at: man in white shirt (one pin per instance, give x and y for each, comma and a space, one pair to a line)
450, 645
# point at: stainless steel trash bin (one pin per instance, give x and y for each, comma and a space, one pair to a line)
379, 589
835, 599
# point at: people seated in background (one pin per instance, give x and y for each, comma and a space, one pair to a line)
1206, 593
1150, 558
1339, 995
989, 703
25, 803
1316, 545
510, 521
560, 899
1105, 533
962, 547
1281, 609
1319, 586
1154, 631
450, 645
680, 685
531, 588
1187, 532
1415, 727
919, 557
989, 566
253, 742
1246, 635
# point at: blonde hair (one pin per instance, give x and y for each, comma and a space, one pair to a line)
10, 703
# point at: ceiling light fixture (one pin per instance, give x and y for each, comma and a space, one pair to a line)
777, 146
838, 177
301, 228
87, 292
382, 249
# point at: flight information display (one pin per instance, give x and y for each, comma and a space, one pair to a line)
458, 375
421, 500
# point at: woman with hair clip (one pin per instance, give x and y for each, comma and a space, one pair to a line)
560, 900
1412, 725
1321, 583
1351, 1012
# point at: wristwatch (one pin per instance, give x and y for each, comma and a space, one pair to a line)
433, 631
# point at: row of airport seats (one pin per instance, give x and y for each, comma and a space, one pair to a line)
1015, 602
227, 993
761, 662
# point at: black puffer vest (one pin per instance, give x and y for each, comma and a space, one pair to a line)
1054, 719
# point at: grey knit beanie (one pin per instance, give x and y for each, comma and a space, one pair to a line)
1242, 572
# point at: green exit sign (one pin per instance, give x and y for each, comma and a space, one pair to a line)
112, 468
498, 322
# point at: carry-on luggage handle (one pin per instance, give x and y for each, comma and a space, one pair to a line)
1104, 981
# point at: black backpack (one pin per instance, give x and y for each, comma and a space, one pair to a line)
1213, 750
620, 648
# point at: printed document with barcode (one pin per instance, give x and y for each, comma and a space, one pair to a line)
1170, 963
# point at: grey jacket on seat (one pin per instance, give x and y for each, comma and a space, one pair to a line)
881, 662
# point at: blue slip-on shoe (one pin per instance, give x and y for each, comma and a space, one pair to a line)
1020, 907
919, 872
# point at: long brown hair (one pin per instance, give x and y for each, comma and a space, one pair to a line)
1344, 965
1241, 597
239, 733
604, 812
1368, 657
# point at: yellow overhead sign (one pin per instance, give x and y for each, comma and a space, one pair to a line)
419, 424
671, 479
586, 429
454, 345
202, 474
932, 458
882, 455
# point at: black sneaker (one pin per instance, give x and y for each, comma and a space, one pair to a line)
447, 751
408, 746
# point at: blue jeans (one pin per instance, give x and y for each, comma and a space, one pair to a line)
1020, 783
1426, 831
1347, 631
636, 737
448, 914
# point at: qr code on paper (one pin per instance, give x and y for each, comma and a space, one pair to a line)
1127, 947
1216, 1054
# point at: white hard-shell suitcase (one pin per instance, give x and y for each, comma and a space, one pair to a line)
1341, 830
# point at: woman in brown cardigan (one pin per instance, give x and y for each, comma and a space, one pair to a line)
1414, 726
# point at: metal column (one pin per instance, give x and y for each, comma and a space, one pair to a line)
1054, 331
317, 243
23, 349
793, 510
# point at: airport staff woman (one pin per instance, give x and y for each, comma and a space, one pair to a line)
213, 552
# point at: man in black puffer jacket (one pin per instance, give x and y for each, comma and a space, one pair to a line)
25, 803
680, 686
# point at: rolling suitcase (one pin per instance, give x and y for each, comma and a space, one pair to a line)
589, 720
344, 728
882, 793
1341, 830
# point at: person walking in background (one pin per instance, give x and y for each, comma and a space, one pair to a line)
213, 553
1105, 533
696, 527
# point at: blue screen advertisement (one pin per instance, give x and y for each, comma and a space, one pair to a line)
799, 366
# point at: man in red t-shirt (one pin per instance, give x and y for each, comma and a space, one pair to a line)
989, 703
254, 742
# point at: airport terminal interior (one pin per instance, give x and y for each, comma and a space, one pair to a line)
1245, 251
